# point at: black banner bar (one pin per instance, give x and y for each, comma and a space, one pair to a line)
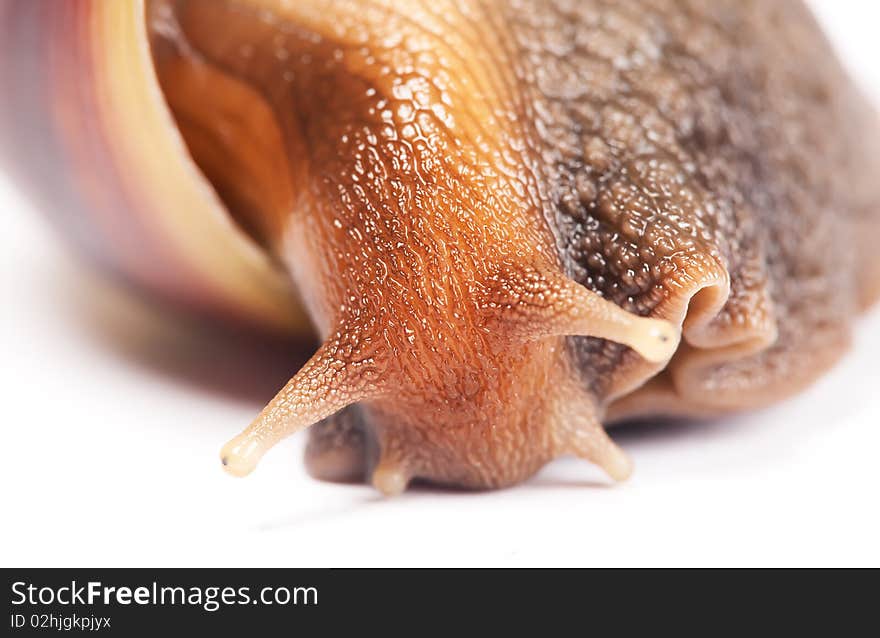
287, 602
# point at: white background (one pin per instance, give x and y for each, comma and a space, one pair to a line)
113, 417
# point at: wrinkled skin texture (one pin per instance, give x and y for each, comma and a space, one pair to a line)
431, 172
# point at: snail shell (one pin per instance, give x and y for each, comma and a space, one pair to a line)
509, 222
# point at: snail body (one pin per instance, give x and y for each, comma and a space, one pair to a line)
510, 223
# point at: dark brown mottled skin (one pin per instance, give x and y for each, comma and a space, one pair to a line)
445, 182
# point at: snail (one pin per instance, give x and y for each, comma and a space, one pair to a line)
511, 223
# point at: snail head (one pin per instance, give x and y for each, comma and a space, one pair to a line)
391, 173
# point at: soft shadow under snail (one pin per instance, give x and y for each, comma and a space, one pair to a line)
509, 222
